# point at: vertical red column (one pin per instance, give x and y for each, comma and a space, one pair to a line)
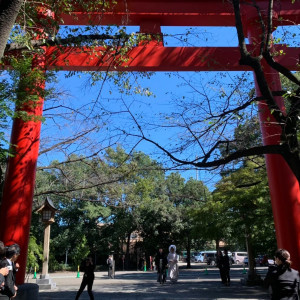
16, 207
284, 186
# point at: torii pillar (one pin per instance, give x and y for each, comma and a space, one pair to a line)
283, 184
16, 206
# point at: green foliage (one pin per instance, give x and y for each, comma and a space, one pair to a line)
35, 255
135, 198
80, 251
6, 111
243, 197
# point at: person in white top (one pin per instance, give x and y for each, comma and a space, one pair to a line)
173, 264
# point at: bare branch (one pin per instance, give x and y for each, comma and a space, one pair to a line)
68, 141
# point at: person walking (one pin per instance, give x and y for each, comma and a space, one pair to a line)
220, 266
283, 280
161, 263
173, 264
226, 268
110, 263
87, 266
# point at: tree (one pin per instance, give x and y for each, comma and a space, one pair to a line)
112, 198
211, 222
210, 156
245, 205
9, 10
80, 251
5, 111
105, 198
194, 195
35, 254
216, 121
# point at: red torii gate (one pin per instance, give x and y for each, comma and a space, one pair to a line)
150, 15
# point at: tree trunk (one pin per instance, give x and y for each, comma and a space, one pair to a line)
251, 264
217, 244
188, 252
9, 10
127, 256
252, 277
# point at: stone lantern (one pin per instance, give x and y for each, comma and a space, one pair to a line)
47, 211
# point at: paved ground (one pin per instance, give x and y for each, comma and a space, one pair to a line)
196, 283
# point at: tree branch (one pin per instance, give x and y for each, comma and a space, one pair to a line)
68, 141
77, 40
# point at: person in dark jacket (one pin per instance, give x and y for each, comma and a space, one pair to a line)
283, 280
161, 263
219, 263
2, 250
4, 270
110, 263
226, 268
2, 281
87, 266
10, 289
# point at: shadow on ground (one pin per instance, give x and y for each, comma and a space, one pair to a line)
192, 285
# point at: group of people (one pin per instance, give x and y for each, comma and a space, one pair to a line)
8, 269
283, 281
167, 262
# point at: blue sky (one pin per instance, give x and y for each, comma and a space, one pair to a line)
78, 94
165, 87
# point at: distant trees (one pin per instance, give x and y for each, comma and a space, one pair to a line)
240, 212
104, 201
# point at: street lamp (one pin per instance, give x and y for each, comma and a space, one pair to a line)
47, 211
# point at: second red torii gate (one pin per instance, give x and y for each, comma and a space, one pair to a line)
150, 16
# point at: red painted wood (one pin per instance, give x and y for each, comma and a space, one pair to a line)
284, 186
157, 58
16, 206
176, 13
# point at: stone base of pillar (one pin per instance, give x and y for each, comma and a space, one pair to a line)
27, 291
45, 283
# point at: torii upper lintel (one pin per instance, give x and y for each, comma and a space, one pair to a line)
178, 13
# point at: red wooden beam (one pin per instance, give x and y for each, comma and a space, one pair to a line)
178, 13
158, 58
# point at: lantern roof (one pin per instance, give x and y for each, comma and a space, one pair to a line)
48, 204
